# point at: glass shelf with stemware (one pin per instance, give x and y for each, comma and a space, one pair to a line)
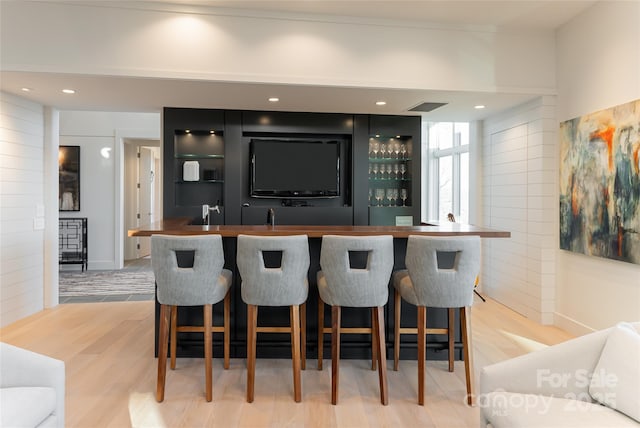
389, 171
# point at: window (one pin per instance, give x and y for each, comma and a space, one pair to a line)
447, 184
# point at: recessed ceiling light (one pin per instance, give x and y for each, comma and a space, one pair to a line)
187, 131
274, 99
381, 103
69, 91
479, 106
25, 89
212, 132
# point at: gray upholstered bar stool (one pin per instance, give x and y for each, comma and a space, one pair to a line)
425, 284
341, 285
204, 284
286, 285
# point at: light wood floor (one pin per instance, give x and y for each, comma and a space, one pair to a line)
111, 375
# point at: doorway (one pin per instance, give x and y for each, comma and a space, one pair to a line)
142, 193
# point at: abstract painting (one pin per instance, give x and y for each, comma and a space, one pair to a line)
69, 178
600, 183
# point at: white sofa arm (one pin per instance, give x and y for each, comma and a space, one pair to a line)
562, 370
20, 367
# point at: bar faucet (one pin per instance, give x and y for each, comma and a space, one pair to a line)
206, 212
271, 217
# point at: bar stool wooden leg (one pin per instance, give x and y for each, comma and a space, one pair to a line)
335, 352
294, 315
378, 315
396, 328
208, 320
422, 317
163, 338
173, 332
227, 329
320, 332
374, 345
252, 315
451, 315
468, 353
303, 335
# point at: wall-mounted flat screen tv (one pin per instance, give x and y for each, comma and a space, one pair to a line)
295, 168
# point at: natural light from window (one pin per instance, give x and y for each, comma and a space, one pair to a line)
448, 163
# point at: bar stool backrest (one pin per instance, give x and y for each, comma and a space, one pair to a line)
438, 287
285, 285
353, 287
188, 286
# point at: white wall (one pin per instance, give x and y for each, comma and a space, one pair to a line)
243, 46
598, 67
101, 194
22, 191
519, 194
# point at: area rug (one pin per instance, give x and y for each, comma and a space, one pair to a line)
104, 283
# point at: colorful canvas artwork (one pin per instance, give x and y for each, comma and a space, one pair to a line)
600, 183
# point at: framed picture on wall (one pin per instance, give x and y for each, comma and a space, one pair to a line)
69, 176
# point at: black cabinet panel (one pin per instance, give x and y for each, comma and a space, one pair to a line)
323, 216
296, 123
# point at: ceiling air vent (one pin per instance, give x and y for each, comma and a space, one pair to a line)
427, 107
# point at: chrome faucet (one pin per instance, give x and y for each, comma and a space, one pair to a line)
271, 217
206, 212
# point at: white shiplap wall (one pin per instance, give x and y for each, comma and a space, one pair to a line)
519, 166
22, 190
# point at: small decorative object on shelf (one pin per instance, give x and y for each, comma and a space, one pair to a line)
191, 171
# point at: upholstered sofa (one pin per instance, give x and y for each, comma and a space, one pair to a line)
31, 389
589, 381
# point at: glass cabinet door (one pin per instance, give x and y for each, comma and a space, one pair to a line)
390, 177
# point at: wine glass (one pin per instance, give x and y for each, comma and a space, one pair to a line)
390, 171
396, 171
374, 171
403, 196
403, 170
396, 150
392, 201
379, 196
376, 148
403, 151
383, 150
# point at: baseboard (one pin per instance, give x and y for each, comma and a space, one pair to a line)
570, 325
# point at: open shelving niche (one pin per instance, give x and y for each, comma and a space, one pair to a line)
207, 148
390, 177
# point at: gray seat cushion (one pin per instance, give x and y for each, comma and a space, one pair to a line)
426, 282
339, 284
285, 285
204, 283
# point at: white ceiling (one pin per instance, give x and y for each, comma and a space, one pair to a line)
150, 95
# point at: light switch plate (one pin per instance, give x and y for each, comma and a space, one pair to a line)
38, 223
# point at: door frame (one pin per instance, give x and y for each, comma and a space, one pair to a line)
118, 214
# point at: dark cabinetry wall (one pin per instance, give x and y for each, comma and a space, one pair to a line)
235, 129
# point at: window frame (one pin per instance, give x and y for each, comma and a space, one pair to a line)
431, 180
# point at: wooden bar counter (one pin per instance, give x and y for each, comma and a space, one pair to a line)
181, 226
278, 345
